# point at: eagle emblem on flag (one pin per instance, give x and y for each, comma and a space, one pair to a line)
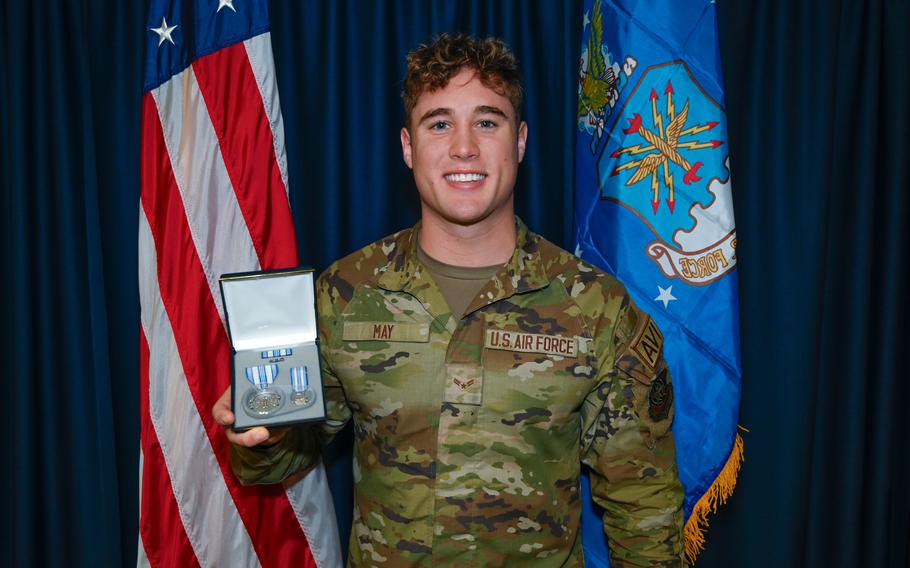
666, 137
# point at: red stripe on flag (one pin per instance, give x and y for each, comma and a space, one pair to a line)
235, 105
203, 346
162, 531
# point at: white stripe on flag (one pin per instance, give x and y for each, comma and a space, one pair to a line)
259, 51
310, 497
312, 503
219, 230
199, 488
142, 559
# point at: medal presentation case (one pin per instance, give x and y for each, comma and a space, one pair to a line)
271, 321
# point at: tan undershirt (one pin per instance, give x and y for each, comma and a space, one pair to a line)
458, 284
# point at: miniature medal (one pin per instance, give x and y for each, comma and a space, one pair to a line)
303, 396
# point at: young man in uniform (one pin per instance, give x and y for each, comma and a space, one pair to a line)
481, 364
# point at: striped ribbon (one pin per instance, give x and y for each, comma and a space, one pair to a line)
300, 378
277, 353
262, 375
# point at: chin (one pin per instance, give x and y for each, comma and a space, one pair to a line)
464, 220
465, 217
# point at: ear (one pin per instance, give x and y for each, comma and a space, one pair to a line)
522, 140
406, 147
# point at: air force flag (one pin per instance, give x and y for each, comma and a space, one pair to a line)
654, 207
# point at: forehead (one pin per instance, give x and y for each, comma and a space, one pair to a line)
464, 92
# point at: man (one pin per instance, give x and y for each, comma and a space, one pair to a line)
481, 364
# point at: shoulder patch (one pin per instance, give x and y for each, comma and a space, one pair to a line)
648, 343
660, 398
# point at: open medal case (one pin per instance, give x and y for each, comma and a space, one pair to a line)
271, 321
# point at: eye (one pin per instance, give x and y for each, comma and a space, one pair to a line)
439, 125
487, 123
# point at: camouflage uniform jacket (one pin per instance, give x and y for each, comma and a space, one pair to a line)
469, 434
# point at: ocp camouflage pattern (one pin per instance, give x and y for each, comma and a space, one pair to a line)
470, 433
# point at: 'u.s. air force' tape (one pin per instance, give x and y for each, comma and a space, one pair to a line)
300, 378
262, 375
287, 352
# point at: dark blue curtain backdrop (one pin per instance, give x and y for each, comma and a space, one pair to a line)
817, 107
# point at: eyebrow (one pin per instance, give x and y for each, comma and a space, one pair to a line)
433, 113
444, 111
485, 109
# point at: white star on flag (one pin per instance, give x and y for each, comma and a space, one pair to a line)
164, 32
666, 295
228, 3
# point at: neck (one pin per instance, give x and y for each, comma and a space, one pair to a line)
487, 243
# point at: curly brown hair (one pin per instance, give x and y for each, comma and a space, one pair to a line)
431, 66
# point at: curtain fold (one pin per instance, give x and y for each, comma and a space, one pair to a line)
818, 121
72, 476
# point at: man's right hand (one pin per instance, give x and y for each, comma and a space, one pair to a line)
248, 438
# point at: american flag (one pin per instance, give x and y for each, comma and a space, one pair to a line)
214, 200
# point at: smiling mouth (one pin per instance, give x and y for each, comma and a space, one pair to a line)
465, 177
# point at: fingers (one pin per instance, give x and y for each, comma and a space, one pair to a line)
248, 438
221, 412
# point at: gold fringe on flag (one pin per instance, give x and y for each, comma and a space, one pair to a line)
715, 496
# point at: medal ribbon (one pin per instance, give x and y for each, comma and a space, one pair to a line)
300, 378
286, 352
262, 375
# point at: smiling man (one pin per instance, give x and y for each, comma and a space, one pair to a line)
482, 365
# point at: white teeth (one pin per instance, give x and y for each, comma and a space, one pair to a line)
465, 177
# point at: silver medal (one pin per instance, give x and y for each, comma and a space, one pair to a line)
304, 399
262, 402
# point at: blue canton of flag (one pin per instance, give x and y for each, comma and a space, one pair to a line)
654, 208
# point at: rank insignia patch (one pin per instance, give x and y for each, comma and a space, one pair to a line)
464, 384
660, 398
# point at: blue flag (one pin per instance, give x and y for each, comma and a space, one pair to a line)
653, 207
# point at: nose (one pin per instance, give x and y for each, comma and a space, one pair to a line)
464, 145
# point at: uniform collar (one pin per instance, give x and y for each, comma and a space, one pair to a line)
524, 272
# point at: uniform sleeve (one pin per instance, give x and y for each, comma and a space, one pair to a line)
628, 444
300, 448
297, 450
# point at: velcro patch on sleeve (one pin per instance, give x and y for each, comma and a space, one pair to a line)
648, 343
531, 342
386, 331
660, 397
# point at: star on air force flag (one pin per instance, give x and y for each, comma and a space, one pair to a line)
654, 207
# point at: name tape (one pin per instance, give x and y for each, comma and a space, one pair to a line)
531, 342
386, 331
